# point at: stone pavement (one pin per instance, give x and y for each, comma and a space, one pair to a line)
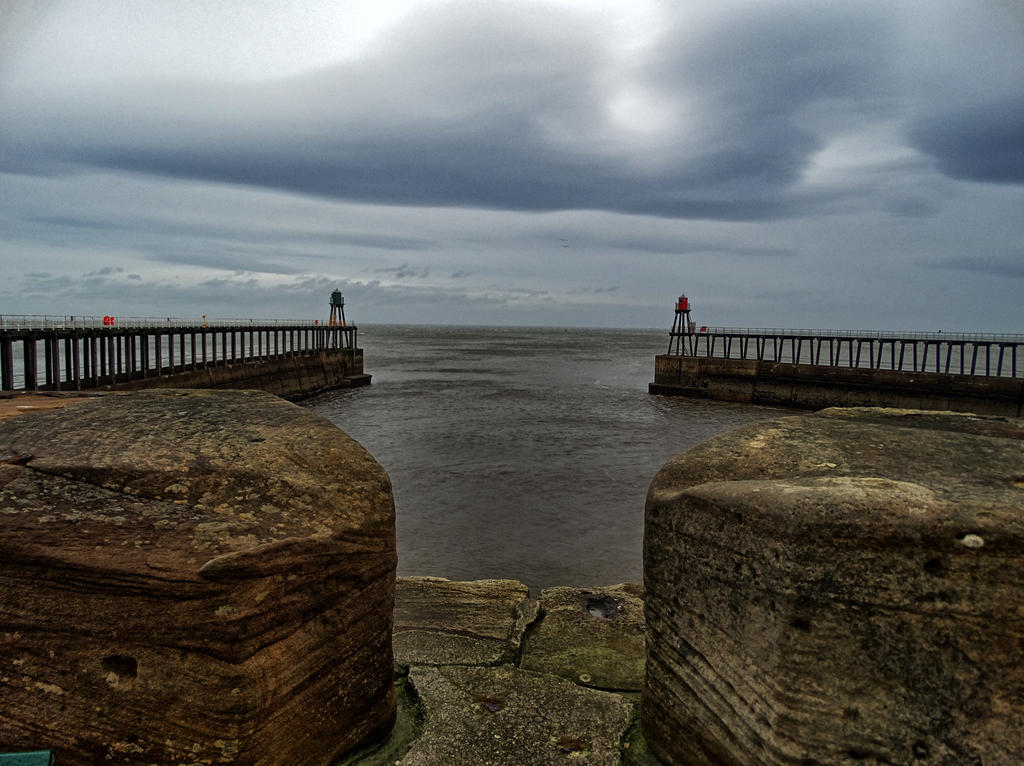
487, 675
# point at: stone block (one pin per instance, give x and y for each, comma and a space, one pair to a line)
440, 622
505, 716
593, 636
839, 587
192, 577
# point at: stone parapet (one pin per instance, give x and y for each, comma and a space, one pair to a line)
809, 386
290, 377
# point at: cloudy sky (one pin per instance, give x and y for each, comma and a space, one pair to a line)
554, 162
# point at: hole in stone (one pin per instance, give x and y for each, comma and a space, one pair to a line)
921, 750
801, 623
491, 704
933, 567
573, 745
858, 754
121, 664
604, 607
1018, 481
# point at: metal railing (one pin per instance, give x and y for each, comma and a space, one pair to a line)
80, 322
866, 334
970, 354
73, 352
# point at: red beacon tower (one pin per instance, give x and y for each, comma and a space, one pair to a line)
682, 327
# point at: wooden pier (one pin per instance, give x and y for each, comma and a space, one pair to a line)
79, 353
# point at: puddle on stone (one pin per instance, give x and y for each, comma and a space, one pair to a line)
604, 607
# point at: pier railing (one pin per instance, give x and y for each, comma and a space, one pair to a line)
78, 322
81, 352
976, 354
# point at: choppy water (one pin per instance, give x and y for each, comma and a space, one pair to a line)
522, 453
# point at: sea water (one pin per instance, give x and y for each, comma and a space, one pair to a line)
521, 453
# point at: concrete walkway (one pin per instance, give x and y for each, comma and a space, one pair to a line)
487, 675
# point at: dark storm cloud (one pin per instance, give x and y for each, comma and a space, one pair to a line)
403, 272
271, 236
105, 272
756, 74
984, 142
670, 246
503, 108
1007, 263
227, 247
228, 295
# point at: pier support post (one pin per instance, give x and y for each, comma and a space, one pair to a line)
94, 368
76, 364
6, 364
31, 366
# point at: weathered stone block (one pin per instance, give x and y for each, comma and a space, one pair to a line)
441, 622
504, 716
192, 577
593, 636
838, 587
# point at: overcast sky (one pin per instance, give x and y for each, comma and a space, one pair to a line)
561, 162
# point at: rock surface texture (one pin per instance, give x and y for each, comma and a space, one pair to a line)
441, 622
594, 637
839, 587
462, 651
192, 578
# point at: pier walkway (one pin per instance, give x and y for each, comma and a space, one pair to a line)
72, 353
985, 355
